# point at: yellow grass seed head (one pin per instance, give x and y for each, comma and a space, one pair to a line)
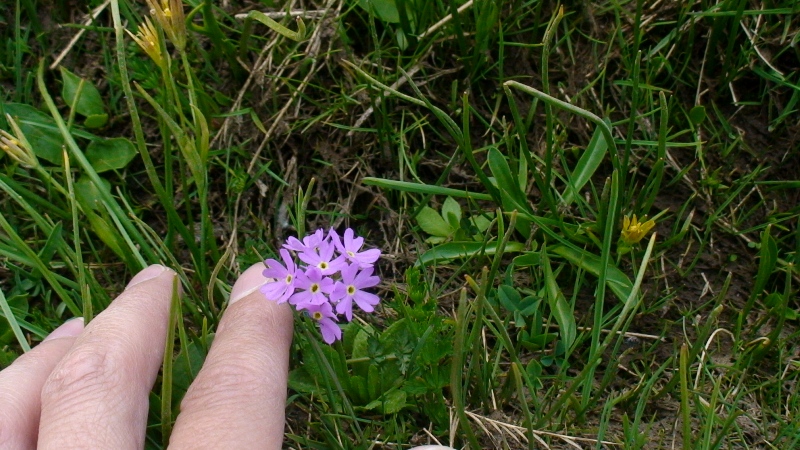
16, 146
149, 40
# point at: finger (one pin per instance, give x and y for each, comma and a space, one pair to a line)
239, 396
97, 396
21, 385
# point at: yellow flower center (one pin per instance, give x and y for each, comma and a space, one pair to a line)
351, 290
317, 316
314, 288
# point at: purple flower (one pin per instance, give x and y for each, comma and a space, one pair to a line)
323, 259
315, 288
349, 289
326, 320
310, 242
332, 275
282, 287
351, 247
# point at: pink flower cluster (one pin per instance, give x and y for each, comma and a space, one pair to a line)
332, 275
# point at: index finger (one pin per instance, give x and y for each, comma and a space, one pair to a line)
239, 396
96, 397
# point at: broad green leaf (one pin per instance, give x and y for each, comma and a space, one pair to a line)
616, 280
456, 250
185, 368
768, 259
84, 98
507, 182
451, 212
508, 297
561, 310
109, 235
432, 223
110, 154
96, 120
301, 380
512, 196
386, 10
697, 114
528, 259
481, 222
587, 165
88, 194
391, 403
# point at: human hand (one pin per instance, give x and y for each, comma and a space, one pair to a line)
88, 387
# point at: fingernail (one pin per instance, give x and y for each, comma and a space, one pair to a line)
147, 274
250, 281
70, 328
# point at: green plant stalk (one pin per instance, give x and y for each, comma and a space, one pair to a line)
548, 108
462, 43
628, 308
301, 206
604, 126
247, 31
18, 71
525, 150
456, 370
605, 258
166, 377
516, 372
427, 189
473, 340
164, 197
76, 241
173, 104
685, 408
74, 101
207, 244
134, 250
634, 112
653, 182
51, 181
12, 321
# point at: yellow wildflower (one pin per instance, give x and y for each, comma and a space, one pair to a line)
169, 14
16, 146
633, 231
148, 39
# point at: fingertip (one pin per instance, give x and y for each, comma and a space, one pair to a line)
70, 328
147, 274
248, 282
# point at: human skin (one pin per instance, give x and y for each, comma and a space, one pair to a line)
87, 387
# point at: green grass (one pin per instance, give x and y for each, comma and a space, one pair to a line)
492, 158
